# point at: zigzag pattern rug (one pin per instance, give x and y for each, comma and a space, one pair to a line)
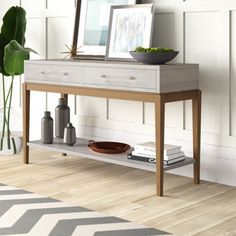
24, 213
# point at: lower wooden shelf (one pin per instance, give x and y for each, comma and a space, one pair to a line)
81, 149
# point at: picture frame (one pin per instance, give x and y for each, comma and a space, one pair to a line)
91, 25
129, 27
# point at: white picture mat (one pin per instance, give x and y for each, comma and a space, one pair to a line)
135, 14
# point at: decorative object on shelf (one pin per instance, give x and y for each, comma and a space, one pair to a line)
153, 160
69, 135
12, 56
91, 25
129, 27
47, 128
153, 55
62, 118
108, 147
141, 158
149, 148
147, 152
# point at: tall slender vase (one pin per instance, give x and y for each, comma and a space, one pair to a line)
47, 128
62, 118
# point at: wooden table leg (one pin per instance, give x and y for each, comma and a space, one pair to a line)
159, 126
26, 121
65, 96
196, 136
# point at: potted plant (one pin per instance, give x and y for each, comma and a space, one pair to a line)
12, 56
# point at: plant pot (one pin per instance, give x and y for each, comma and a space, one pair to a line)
5, 149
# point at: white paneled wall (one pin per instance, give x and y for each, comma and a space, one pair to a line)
202, 44
6, 4
233, 74
202, 30
119, 110
56, 38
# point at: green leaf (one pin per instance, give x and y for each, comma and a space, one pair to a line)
14, 25
14, 57
3, 43
31, 50
13, 28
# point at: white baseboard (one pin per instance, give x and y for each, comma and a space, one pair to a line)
218, 163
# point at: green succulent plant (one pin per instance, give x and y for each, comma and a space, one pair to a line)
157, 49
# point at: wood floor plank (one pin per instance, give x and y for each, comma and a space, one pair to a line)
206, 217
227, 228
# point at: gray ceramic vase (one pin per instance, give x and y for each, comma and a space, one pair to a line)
69, 135
47, 128
62, 118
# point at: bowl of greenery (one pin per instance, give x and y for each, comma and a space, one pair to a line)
154, 56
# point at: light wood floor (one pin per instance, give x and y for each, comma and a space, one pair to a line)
187, 209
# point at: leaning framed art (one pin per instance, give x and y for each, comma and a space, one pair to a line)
129, 27
94, 23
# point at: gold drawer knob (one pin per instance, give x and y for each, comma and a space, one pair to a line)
132, 78
103, 76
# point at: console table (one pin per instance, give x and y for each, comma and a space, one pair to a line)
159, 84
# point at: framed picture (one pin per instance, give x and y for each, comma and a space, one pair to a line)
129, 27
93, 24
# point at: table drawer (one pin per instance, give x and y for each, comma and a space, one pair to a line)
54, 73
131, 78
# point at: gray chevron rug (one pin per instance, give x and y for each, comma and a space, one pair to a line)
24, 213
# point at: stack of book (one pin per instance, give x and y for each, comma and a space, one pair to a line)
147, 152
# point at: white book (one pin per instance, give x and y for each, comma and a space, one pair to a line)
174, 160
173, 156
150, 148
166, 157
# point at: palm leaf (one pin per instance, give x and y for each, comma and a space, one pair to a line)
14, 58
13, 28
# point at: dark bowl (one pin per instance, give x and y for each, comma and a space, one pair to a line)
155, 58
108, 147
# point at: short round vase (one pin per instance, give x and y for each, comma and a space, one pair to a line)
7, 145
69, 135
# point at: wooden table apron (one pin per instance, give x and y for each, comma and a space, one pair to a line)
158, 99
